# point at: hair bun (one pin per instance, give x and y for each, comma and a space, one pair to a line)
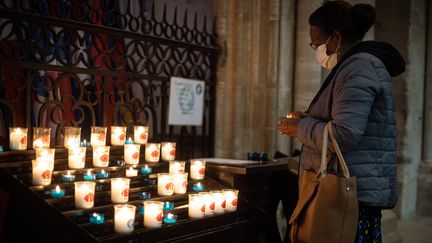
363, 16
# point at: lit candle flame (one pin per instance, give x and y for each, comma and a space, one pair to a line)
68, 173
89, 172
57, 188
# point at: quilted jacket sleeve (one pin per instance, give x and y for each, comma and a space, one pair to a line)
354, 92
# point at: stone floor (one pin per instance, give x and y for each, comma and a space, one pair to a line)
417, 230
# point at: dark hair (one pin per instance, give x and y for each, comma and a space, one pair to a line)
351, 21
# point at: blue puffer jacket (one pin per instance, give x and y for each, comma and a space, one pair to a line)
358, 96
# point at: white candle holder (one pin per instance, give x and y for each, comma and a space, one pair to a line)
98, 136
197, 169
165, 185
168, 151
41, 137
101, 156
76, 157
209, 203
176, 166
231, 199
118, 135
196, 208
42, 172
131, 172
140, 134
153, 214
124, 218
180, 181
152, 152
220, 203
120, 190
132, 153
72, 137
84, 194
18, 138
45, 154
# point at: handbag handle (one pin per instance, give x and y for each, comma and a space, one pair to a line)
328, 130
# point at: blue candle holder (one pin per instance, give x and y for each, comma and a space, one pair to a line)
89, 176
97, 218
1, 149
141, 210
68, 178
57, 193
263, 156
85, 143
170, 218
129, 141
102, 174
144, 195
168, 206
198, 187
146, 170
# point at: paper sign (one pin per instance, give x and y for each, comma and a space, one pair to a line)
186, 102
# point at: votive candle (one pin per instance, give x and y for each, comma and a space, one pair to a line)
120, 190
231, 199
84, 194
76, 157
168, 151
196, 207
57, 192
152, 152
131, 153
131, 172
68, 177
101, 156
118, 135
72, 137
41, 172
18, 138
219, 199
41, 137
98, 136
197, 169
165, 184
209, 203
140, 134
153, 214
124, 218
180, 182
176, 166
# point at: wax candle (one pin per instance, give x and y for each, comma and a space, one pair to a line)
145, 170
41, 137
1, 149
170, 218
41, 172
176, 166
197, 169
131, 153
152, 152
231, 198
129, 141
131, 172
72, 137
140, 134
98, 136
198, 187
168, 151
196, 207
46, 154
120, 190
124, 218
102, 174
144, 195
76, 157
168, 206
209, 203
68, 177
165, 185
57, 192
101, 156
84, 194
89, 176
97, 218
180, 182
17, 138
219, 200
153, 214
118, 135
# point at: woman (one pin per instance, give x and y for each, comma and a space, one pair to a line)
358, 97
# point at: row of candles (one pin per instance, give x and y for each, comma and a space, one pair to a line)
200, 205
72, 137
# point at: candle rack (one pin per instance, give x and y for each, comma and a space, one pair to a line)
67, 221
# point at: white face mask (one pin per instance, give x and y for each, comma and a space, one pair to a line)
323, 59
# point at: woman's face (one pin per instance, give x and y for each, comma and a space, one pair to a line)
318, 38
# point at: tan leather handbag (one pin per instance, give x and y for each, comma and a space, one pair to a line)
327, 209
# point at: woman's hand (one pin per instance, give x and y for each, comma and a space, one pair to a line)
288, 125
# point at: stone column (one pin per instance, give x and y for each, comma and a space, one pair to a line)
427, 123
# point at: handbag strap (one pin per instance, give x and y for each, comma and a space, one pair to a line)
328, 130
